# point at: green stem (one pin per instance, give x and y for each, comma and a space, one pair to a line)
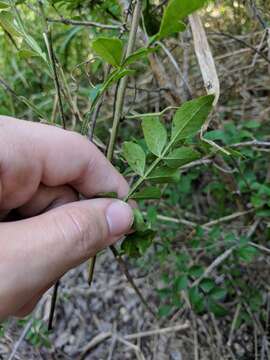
143, 178
118, 111
123, 82
150, 169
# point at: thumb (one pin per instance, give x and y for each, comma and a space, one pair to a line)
36, 251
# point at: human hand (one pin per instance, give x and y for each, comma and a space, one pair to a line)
42, 171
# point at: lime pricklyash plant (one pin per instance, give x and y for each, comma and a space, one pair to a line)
111, 50
168, 154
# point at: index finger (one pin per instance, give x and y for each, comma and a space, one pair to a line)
33, 153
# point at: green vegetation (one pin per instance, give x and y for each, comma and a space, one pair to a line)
204, 196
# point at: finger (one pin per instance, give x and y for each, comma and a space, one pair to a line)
47, 198
32, 153
27, 308
48, 245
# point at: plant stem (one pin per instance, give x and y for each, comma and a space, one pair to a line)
85, 23
123, 82
118, 113
53, 303
124, 269
143, 178
48, 41
49, 44
150, 169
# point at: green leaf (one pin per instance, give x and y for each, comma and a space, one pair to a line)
32, 107
26, 53
195, 271
109, 49
164, 310
174, 13
181, 156
252, 124
164, 175
138, 55
99, 89
196, 299
148, 193
4, 4
135, 157
95, 91
31, 42
151, 215
216, 135
138, 222
113, 77
246, 253
263, 213
207, 285
217, 309
217, 293
190, 117
136, 244
181, 282
7, 23
155, 134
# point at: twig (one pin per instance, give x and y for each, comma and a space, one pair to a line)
124, 269
94, 120
260, 247
85, 23
257, 14
235, 318
105, 335
117, 116
176, 220
95, 342
22, 336
48, 41
8, 88
49, 44
179, 327
214, 264
123, 82
243, 42
119, 108
207, 225
228, 218
53, 303
136, 348
252, 143
177, 68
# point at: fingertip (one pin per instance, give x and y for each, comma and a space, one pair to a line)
119, 217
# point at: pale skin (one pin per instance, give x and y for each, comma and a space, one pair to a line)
43, 169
